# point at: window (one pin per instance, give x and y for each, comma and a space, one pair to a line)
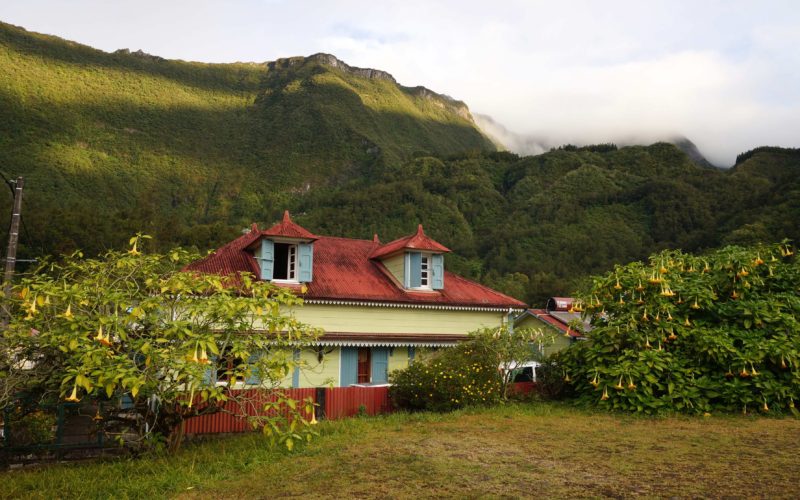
285, 267
423, 271
424, 275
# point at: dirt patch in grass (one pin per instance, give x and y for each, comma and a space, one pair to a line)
517, 451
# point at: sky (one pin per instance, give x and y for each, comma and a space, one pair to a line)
725, 74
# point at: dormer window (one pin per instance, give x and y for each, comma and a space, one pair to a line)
285, 253
416, 261
285, 264
423, 271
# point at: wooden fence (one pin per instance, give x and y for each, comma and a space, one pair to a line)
332, 403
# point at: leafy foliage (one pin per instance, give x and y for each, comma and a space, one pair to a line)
473, 373
693, 333
132, 324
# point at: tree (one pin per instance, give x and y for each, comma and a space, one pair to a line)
693, 333
133, 324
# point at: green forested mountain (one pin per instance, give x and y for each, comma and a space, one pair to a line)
535, 226
114, 143
191, 153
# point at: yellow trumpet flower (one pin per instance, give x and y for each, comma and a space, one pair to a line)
103, 339
605, 394
619, 384
73, 398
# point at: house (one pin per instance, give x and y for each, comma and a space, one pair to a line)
379, 305
559, 317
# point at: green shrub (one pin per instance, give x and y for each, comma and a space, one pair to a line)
693, 334
453, 378
26, 429
468, 374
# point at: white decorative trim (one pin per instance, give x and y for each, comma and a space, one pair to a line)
381, 343
403, 305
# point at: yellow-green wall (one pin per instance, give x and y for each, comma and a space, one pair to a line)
398, 358
316, 374
377, 320
395, 266
556, 339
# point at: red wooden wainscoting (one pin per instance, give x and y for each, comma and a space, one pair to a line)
339, 402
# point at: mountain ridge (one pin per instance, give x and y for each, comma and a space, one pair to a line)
116, 143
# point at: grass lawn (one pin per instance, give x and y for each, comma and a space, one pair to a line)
521, 450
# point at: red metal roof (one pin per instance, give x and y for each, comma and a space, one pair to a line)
288, 229
417, 241
344, 270
545, 316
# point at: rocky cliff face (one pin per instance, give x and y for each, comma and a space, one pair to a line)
331, 61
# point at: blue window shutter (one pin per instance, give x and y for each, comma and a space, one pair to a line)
255, 377
438, 271
380, 365
267, 259
407, 270
296, 372
415, 269
349, 366
305, 260
411, 354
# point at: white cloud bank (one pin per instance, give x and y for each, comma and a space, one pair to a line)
726, 74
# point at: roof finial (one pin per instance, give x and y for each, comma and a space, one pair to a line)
254, 228
286, 217
375, 238
419, 229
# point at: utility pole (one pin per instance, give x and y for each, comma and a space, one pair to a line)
13, 239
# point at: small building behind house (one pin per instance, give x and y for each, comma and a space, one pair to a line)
560, 318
